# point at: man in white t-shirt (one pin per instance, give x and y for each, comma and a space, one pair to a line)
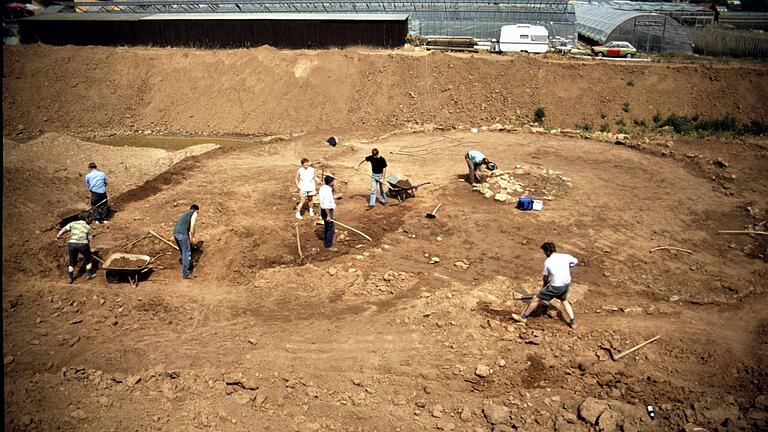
556, 281
328, 211
305, 183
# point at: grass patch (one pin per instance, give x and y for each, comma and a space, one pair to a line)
620, 122
727, 124
539, 114
625, 107
605, 127
640, 122
585, 126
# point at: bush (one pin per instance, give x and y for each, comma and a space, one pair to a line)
631, 83
586, 126
620, 122
640, 122
657, 118
755, 127
539, 114
680, 124
603, 115
623, 130
724, 124
625, 107
605, 127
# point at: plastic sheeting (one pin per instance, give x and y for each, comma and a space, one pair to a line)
647, 32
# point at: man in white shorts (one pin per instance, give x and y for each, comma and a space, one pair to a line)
556, 281
305, 182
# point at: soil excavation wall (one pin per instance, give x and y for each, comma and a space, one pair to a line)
267, 91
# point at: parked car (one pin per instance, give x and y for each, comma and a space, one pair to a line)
615, 49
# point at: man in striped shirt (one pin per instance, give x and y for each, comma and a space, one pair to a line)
79, 244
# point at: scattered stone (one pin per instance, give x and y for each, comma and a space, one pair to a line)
252, 341
500, 362
421, 403
591, 408
445, 425
483, 371
609, 421
434, 260
720, 163
8, 360
332, 271
461, 264
79, 414
437, 411
501, 197
132, 380
692, 427
496, 414
243, 397
74, 341
466, 414
76, 321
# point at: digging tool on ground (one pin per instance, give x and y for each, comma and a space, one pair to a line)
352, 229
518, 296
746, 232
434, 212
164, 240
298, 241
618, 357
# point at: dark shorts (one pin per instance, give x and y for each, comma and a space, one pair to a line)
550, 292
76, 249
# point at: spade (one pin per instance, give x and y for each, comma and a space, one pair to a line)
434, 213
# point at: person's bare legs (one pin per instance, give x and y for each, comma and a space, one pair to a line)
301, 204
569, 312
535, 301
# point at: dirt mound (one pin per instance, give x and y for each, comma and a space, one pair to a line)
266, 91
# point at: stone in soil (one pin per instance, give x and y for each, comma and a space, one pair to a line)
496, 414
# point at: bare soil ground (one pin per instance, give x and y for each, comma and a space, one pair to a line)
377, 336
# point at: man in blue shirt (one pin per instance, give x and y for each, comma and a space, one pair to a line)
96, 182
184, 234
474, 160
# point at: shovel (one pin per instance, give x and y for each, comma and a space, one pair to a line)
434, 212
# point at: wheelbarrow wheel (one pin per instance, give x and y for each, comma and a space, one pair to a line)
112, 276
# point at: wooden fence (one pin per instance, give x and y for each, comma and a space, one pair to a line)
729, 43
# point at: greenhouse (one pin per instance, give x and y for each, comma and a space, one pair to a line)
481, 19
648, 32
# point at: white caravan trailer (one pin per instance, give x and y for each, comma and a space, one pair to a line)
523, 38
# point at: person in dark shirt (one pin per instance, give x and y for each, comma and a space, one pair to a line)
184, 234
378, 173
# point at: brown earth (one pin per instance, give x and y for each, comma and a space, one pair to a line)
379, 335
99, 90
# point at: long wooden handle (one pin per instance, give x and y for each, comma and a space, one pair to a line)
436, 208
636, 347
102, 202
166, 241
298, 242
743, 232
350, 228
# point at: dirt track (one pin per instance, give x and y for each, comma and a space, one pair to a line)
374, 337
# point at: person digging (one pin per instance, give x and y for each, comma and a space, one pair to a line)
556, 281
475, 160
79, 243
327, 212
184, 234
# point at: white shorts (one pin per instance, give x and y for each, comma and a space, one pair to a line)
307, 193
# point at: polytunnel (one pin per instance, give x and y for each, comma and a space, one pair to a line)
649, 32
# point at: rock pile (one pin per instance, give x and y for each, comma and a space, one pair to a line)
507, 186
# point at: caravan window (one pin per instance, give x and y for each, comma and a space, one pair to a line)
523, 36
540, 38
